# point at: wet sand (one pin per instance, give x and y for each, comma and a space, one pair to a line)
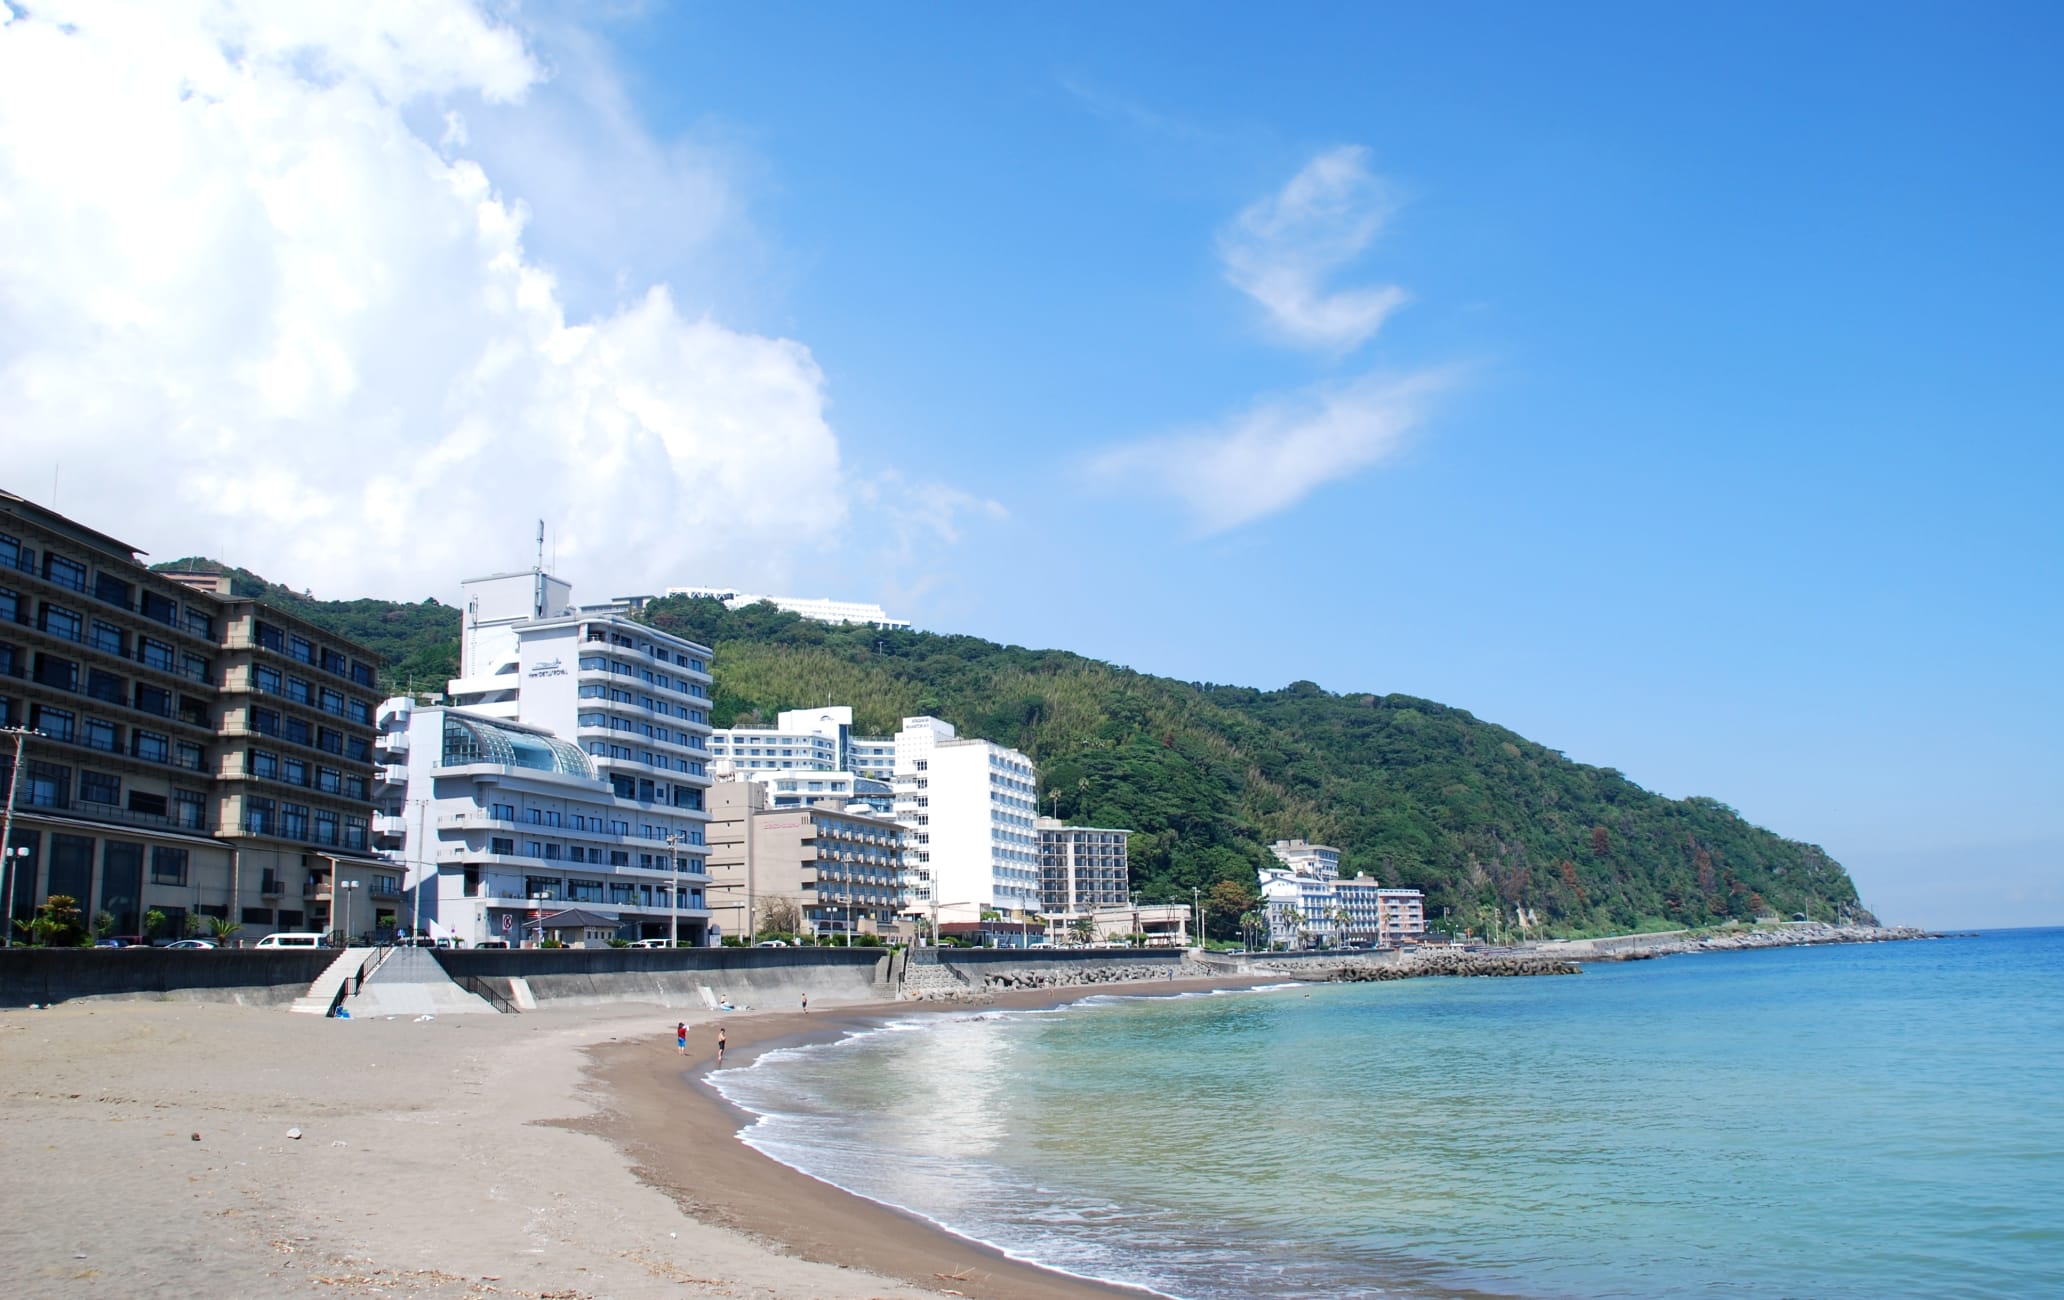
682, 1137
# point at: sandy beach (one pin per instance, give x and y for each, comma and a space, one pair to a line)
566, 1153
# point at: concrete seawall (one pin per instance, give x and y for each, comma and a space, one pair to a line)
244, 975
746, 977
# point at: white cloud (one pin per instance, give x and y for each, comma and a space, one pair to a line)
1282, 250
1275, 454
260, 303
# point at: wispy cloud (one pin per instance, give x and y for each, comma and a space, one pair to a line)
1283, 250
1276, 453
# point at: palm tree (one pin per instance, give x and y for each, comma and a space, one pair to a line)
222, 929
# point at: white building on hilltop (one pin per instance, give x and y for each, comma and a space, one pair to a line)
824, 610
969, 808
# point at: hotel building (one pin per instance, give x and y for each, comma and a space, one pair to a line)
1082, 869
822, 610
512, 828
1308, 905
630, 700
198, 754
839, 868
968, 807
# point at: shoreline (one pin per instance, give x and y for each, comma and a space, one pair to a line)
681, 1136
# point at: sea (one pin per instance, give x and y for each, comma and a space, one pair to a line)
1862, 1120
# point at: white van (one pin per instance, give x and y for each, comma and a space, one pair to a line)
290, 940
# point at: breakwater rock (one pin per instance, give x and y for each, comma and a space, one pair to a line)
1797, 934
1422, 964
1115, 973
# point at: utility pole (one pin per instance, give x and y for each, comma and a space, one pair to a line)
7, 853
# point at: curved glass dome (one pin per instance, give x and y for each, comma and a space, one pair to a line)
478, 740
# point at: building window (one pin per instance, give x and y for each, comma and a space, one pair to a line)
328, 741
167, 865
151, 746
59, 621
270, 637
153, 700
106, 686
300, 649
355, 833
150, 805
358, 749
325, 827
258, 816
190, 809
294, 772
265, 678
293, 821
200, 624
64, 572
154, 654
362, 674
299, 691
296, 729
54, 723
160, 609
99, 787
99, 733
105, 637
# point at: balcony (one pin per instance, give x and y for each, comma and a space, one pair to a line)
390, 825
392, 742
391, 773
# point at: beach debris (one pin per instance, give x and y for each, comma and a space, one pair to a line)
196, 1137
421, 1019
340, 1142
294, 1134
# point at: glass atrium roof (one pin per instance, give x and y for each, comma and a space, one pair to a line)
479, 740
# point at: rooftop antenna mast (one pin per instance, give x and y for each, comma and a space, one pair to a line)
537, 598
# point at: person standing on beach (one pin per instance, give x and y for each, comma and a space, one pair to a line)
720, 1044
681, 1037
806, 1004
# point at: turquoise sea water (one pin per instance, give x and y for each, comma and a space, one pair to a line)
1853, 1121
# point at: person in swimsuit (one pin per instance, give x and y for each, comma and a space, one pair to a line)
720, 1044
681, 1037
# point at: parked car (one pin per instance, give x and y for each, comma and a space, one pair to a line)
653, 943
771, 943
492, 943
194, 943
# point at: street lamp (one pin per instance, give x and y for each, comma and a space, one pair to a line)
346, 886
537, 913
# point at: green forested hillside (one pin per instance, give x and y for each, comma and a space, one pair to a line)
1412, 792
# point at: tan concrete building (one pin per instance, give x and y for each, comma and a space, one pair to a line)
148, 700
839, 871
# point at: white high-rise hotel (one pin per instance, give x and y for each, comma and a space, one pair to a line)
969, 806
591, 792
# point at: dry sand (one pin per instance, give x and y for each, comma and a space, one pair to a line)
456, 1157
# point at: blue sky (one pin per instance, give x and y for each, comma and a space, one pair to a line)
1744, 481
1676, 387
